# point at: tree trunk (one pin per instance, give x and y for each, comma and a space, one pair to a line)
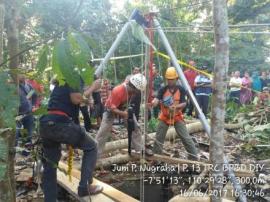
220, 20
7, 181
12, 35
2, 14
7, 137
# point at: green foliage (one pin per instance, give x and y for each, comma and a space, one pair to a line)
70, 61
232, 109
63, 65
41, 111
81, 52
244, 10
152, 125
258, 135
44, 19
43, 59
9, 101
234, 112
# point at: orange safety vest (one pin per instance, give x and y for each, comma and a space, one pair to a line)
171, 117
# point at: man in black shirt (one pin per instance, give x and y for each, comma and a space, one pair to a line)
58, 127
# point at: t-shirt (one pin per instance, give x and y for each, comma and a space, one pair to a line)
237, 82
201, 90
60, 101
190, 76
118, 97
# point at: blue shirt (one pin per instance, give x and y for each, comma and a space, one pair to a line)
201, 90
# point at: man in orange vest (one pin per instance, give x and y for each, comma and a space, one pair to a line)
172, 101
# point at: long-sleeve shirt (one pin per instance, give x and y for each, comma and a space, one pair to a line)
28, 98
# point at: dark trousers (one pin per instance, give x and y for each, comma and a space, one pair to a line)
53, 134
86, 118
190, 107
235, 96
28, 123
203, 101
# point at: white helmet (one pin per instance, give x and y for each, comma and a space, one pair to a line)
138, 81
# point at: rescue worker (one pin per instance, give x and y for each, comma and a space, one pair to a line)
58, 127
172, 101
120, 96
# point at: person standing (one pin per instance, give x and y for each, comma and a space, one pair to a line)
235, 87
25, 118
264, 80
256, 82
172, 101
203, 90
58, 127
120, 98
190, 75
245, 93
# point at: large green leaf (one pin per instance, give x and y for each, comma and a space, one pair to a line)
41, 111
87, 75
81, 53
79, 50
43, 59
90, 41
56, 67
63, 65
9, 101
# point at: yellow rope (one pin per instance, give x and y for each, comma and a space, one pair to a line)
70, 161
171, 119
197, 70
185, 64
